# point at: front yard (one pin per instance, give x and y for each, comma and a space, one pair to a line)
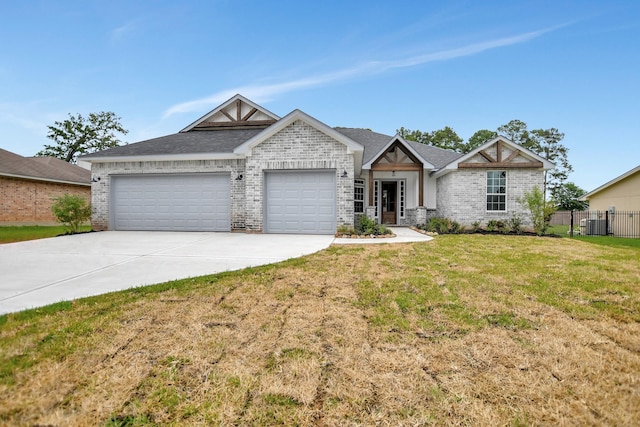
11, 234
462, 330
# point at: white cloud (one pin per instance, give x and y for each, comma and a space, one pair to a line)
261, 93
120, 33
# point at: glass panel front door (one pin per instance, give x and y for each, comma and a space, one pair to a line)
389, 202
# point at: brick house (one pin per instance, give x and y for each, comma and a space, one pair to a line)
241, 167
28, 186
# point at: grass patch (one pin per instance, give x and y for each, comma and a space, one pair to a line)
615, 242
464, 330
11, 234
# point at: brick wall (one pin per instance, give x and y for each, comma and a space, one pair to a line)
299, 146
101, 186
25, 201
462, 195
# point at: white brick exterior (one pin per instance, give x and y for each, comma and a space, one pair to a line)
298, 146
456, 190
462, 195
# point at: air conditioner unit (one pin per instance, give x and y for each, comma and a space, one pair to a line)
596, 227
583, 226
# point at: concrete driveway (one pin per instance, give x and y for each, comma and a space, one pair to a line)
42, 272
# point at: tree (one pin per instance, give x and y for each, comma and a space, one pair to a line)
566, 197
479, 138
539, 209
445, 138
79, 135
71, 210
415, 135
516, 131
545, 143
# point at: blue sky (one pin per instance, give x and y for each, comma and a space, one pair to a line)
159, 65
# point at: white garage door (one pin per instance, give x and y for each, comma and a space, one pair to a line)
196, 202
302, 202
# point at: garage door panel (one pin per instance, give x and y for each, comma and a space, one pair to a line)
300, 202
198, 202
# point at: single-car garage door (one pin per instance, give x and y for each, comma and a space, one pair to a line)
195, 202
302, 202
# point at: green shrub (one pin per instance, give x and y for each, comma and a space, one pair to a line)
515, 224
455, 227
499, 226
345, 229
382, 230
71, 210
442, 226
368, 226
475, 226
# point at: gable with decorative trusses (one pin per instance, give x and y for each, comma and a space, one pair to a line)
397, 158
236, 113
501, 154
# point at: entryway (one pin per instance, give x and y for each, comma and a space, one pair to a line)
389, 202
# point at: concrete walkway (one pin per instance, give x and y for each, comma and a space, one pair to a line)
403, 235
42, 272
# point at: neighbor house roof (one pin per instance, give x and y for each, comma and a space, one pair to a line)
42, 169
610, 183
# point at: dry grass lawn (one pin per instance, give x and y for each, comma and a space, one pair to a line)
464, 330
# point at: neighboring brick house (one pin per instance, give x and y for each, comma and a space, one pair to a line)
241, 167
28, 186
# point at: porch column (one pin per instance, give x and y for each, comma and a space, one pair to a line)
421, 186
370, 187
421, 215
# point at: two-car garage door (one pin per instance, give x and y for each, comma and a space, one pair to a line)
171, 202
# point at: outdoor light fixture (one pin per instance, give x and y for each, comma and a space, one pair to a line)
94, 179
393, 173
345, 174
239, 177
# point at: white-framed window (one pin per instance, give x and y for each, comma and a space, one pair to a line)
358, 196
496, 190
401, 197
376, 198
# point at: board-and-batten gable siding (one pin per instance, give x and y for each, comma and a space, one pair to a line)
624, 195
299, 146
462, 195
29, 201
101, 190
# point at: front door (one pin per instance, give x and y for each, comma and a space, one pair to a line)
389, 202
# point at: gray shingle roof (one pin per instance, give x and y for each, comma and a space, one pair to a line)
42, 168
373, 142
194, 142
225, 141
438, 157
